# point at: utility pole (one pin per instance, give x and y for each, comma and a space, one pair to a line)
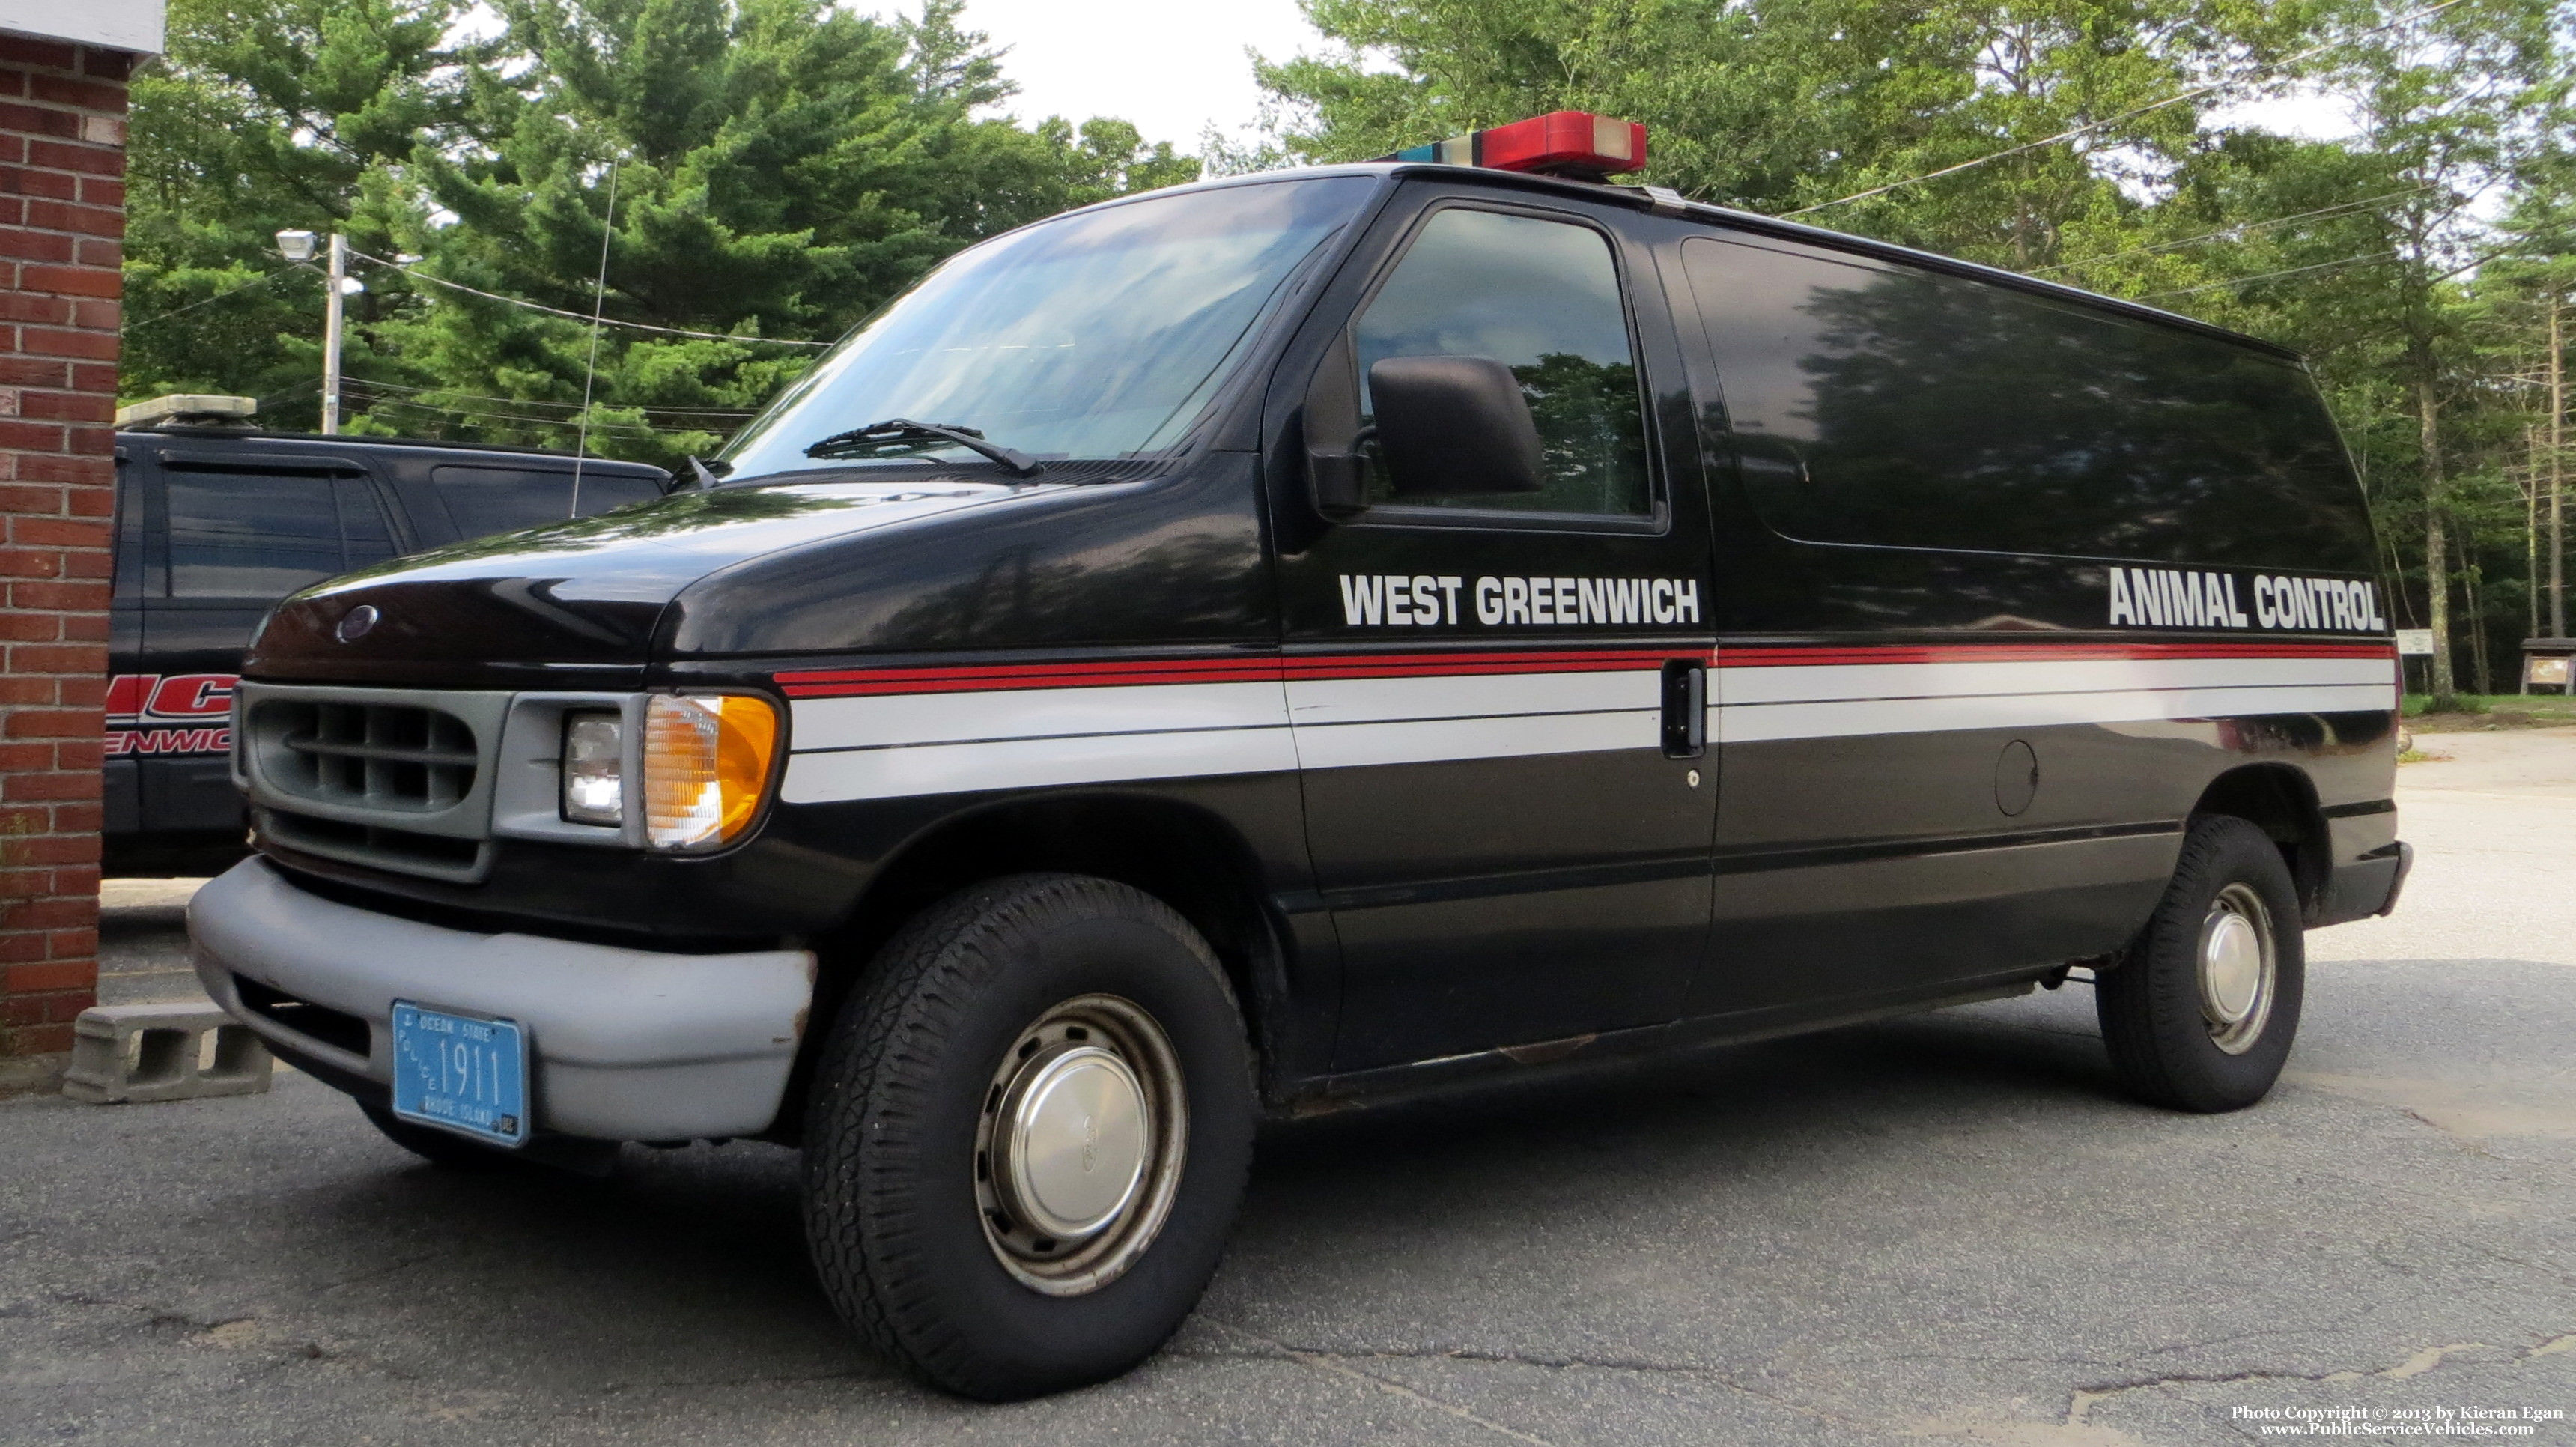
297, 246
2530, 490
2437, 543
2557, 476
331, 334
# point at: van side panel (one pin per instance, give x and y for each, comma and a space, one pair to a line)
1954, 738
122, 813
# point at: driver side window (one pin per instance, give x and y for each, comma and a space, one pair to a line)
1542, 298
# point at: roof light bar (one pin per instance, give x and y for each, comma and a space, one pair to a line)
1560, 143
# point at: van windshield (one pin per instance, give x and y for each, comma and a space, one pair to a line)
1097, 335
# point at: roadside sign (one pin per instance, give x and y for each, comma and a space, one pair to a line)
2415, 641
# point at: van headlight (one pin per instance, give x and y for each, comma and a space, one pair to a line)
706, 767
594, 769
705, 761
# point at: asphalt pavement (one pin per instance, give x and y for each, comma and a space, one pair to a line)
1948, 1228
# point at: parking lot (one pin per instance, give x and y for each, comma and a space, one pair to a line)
1946, 1228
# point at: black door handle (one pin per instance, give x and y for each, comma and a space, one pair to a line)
1685, 708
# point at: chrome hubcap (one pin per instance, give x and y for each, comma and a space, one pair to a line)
1074, 1140
1079, 1150
2238, 968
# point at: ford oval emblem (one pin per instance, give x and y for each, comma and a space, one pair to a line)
355, 623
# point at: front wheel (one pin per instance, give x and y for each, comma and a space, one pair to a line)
2201, 1009
1029, 1132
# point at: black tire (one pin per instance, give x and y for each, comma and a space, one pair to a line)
901, 1227
2171, 1039
436, 1146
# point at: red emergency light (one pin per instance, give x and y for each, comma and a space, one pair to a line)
1560, 143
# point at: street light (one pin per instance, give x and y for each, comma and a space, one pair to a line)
298, 246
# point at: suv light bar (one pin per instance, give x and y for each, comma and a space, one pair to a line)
1560, 143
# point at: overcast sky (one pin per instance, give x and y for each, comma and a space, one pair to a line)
1174, 67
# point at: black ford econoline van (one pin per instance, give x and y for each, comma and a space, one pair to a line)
214, 525
1308, 636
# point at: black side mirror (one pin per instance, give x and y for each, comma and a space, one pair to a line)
1334, 468
1454, 425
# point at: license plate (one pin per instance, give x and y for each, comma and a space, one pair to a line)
466, 1074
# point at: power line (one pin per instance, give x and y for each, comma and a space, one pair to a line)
2267, 275
312, 384
542, 402
2226, 232
2472, 264
262, 279
2178, 98
582, 317
637, 429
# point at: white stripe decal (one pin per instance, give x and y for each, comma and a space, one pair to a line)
875, 721
1846, 718
1802, 684
900, 745
1431, 741
896, 745
1376, 700
1034, 764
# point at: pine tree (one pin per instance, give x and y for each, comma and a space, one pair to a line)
1779, 105
266, 115
779, 167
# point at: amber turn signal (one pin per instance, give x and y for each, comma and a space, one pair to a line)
706, 767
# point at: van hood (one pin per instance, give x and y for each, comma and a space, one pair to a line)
575, 603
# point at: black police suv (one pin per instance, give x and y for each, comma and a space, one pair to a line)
1304, 637
213, 526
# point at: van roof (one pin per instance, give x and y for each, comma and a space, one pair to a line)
1673, 204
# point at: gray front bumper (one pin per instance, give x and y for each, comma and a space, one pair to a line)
624, 1044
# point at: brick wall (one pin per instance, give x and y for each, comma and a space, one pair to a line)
62, 217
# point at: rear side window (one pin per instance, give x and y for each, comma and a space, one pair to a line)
487, 500
1542, 298
1898, 408
245, 535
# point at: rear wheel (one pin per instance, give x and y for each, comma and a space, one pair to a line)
1028, 1136
2200, 1012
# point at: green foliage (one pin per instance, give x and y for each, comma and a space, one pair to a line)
1585, 412
1775, 105
778, 169
2408, 260
268, 115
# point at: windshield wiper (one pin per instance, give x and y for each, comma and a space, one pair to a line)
879, 438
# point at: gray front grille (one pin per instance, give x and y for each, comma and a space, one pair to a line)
376, 844
393, 756
392, 778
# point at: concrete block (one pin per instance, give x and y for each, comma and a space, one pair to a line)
187, 1051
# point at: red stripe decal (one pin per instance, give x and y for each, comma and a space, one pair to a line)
1800, 657
1261, 673
985, 678
1106, 673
